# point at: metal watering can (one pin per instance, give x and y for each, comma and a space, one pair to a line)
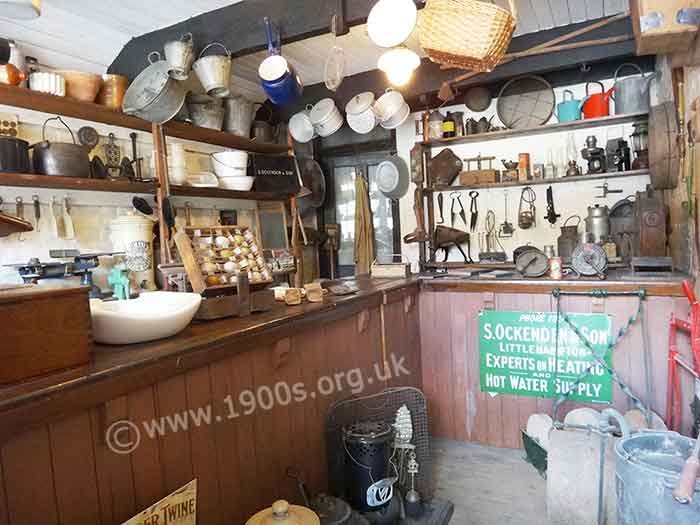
597, 104
632, 93
569, 110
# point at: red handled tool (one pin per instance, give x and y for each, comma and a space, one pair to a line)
692, 327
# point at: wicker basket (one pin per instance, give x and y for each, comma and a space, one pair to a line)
467, 34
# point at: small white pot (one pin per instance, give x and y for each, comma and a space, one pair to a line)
301, 127
390, 104
326, 118
361, 114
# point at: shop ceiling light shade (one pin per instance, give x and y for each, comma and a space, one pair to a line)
391, 22
20, 9
399, 64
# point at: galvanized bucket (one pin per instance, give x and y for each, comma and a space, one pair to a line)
180, 55
631, 94
206, 111
239, 115
648, 468
214, 71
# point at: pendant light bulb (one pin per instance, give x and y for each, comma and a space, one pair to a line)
391, 22
20, 9
399, 64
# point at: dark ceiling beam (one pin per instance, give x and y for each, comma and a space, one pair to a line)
240, 27
429, 77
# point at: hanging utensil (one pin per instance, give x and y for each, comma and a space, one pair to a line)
19, 211
506, 229
552, 215
136, 159
526, 209
68, 220
37, 211
334, 69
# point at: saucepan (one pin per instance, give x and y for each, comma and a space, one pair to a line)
61, 159
277, 76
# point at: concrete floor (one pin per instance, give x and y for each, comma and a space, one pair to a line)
488, 485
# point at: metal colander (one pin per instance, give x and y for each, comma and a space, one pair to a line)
379, 409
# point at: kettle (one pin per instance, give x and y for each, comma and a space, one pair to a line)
597, 104
484, 125
569, 110
282, 513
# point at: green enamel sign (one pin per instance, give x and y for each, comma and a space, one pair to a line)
519, 354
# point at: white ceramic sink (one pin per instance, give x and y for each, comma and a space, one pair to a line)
153, 315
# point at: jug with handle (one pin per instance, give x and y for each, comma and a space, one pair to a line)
632, 93
597, 104
569, 110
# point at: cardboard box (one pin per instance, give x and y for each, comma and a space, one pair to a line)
658, 27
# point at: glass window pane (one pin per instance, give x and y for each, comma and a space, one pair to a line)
344, 181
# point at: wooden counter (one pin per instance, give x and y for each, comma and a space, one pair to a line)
56, 466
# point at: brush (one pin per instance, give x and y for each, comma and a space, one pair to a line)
683, 493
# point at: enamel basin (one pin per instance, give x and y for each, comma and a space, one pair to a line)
153, 315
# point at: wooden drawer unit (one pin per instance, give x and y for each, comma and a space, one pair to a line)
43, 330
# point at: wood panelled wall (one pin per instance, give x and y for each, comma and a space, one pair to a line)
450, 361
63, 472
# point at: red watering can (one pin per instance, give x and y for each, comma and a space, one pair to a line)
597, 104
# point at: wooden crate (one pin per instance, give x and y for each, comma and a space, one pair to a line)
43, 330
656, 28
205, 261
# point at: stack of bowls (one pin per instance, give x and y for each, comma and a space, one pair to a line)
326, 118
231, 168
393, 109
177, 166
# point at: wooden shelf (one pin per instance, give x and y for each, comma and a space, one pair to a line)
221, 193
539, 182
539, 130
29, 180
25, 98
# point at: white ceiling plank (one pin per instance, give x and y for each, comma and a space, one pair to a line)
527, 21
594, 9
560, 12
577, 11
543, 13
613, 7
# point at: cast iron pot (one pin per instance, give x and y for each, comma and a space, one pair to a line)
14, 155
61, 159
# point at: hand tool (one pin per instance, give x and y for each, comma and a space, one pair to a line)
606, 191
552, 215
440, 200
474, 209
457, 199
37, 212
135, 158
506, 229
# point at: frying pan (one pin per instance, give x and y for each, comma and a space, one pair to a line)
314, 179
